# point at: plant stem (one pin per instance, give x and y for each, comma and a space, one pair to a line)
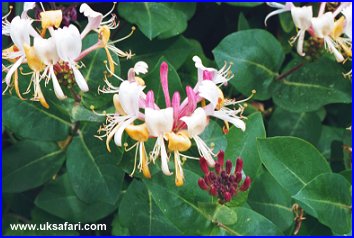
290, 71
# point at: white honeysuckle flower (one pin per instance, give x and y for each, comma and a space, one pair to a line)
323, 27
217, 107
221, 76
126, 103
141, 67
20, 36
159, 122
196, 124
281, 9
95, 19
47, 53
302, 19
68, 42
26, 7
347, 12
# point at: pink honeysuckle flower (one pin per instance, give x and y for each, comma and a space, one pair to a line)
95, 19
221, 76
164, 83
159, 122
196, 124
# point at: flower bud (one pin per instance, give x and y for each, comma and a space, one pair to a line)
246, 184
221, 155
202, 184
239, 165
217, 168
227, 196
213, 191
238, 177
228, 166
203, 165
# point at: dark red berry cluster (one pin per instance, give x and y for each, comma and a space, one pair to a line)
222, 183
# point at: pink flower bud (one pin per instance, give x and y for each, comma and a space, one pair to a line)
202, 184
239, 165
238, 177
164, 83
227, 196
246, 184
213, 191
217, 168
204, 165
221, 155
228, 166
150, 99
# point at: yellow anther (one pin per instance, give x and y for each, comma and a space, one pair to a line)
338, 27
178, 141
221, 99
104, 33
138, 132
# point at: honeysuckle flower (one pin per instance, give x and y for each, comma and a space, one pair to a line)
68, 42
178, 142
302, 19
281, 8
221, 76
217, 107
37, 66
159, 122
323, 27
196, 124
47, 53
19, 33
95, 19
141, 67
347, 12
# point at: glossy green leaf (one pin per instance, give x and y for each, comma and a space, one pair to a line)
140, 214
93, 171
256, 56
30, 120
268, 198
328, 198
175, 50
248, 223
93, 72
329, 135
29, 164
80, 113
58, 198
242, 23
163, 19
305, 125
291, 161
243, 144
213, 135
286, 22
312, 86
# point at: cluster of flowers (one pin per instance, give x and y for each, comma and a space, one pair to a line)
137, 113
56, 52
335, 28
222, 183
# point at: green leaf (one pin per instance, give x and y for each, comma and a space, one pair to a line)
31, 120
175, 50
245, 4
140, 214
312, 227
29, 164
329, 135
328, 198
158, 18
243, 144
213, 135
58, 198
80, 113
305, 125
93, 171
94, 71
242, 23
312, 86
248, 223
117, 228
291, 161
268, 198
256, 56
286, 22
